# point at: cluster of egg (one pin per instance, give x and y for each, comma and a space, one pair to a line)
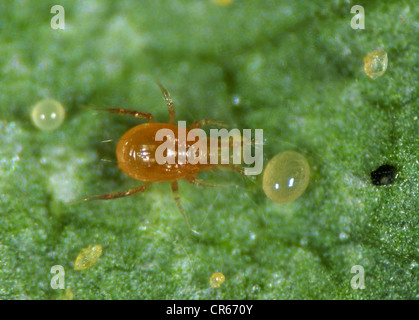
287, 174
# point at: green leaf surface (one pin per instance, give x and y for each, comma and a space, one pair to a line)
291, 68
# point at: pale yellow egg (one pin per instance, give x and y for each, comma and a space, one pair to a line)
48, 114
286, 177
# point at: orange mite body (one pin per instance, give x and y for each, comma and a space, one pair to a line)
136, 155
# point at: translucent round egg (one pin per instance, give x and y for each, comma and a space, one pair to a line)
286, 176
88, 257
375, 63
48, 114
217, 279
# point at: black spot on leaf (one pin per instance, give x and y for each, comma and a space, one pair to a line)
383, 175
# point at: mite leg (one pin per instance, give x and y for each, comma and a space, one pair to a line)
206, 122
200, 183
236, 167
169, 102
176, 196
115, 195
136, 114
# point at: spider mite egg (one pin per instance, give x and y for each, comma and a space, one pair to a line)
48, 114
217, 280
286, 176
375, 63
88, 257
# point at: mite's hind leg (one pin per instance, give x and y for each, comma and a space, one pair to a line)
200, 183
206, 122
233, 167
175, 189
237, 168
136, 114
115, 195
169, 102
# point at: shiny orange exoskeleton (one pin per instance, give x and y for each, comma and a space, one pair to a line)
136, 155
